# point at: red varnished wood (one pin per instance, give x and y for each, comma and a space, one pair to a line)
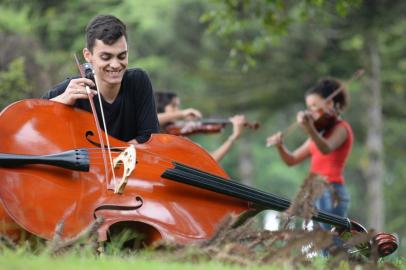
8, 227
37, 197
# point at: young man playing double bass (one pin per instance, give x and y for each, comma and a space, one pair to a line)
126, 94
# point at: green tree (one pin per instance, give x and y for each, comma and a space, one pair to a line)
254, 24
13, 83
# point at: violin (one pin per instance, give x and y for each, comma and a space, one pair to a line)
325, 122
168, 188
205, 126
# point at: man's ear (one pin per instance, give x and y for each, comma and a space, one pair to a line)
87, 55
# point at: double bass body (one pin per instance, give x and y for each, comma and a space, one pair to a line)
40, 196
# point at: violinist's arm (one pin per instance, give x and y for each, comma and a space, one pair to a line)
300, 154
327, 145
238, 123
168, 117
220, 152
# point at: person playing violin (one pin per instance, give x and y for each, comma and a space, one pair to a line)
168, 108
126, 94
328, 145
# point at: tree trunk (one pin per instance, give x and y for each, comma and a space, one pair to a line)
374, 170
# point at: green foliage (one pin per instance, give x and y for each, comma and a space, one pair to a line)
255, 24
14, 21
13, 83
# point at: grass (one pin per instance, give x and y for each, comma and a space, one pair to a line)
78, 259
23, 261
223, 253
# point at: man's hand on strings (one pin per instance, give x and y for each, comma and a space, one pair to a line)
76, 89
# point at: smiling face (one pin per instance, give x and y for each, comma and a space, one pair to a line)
317, 106
109, 61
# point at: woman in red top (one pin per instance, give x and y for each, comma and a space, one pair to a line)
328, 147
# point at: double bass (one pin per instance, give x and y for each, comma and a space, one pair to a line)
169, 188
51, 170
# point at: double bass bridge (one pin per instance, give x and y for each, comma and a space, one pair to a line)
127, 159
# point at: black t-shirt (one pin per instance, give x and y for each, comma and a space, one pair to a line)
132, 115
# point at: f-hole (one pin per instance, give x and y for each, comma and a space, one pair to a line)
90, 134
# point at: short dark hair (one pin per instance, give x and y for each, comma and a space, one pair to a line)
106, 28
163, 99
326, 87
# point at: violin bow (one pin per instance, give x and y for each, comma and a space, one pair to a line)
359, 73
96, 119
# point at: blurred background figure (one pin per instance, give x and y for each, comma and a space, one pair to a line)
169, 111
